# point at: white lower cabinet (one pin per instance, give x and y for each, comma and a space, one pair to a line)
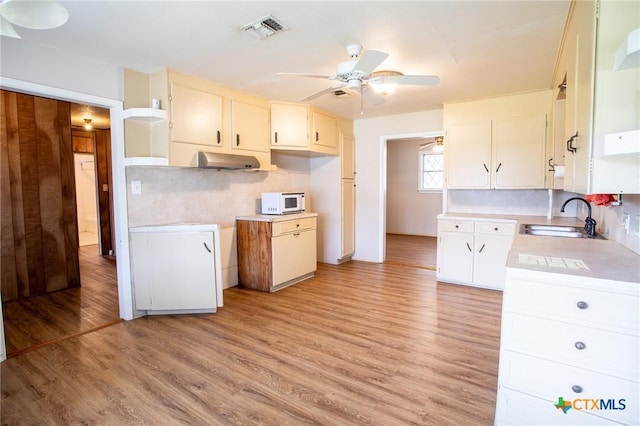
570, 339
175, 270
473, 252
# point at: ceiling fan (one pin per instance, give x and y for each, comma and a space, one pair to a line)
35, 15
358, 75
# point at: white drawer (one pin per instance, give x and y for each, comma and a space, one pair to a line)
516, 408
615, 312
548, 380
604, 351
289, 226
500, 228
455, 225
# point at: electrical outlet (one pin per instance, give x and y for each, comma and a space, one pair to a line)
136, 187
626, 218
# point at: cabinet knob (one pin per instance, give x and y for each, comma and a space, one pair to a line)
582, 304
495, 229
580, 345
576, 388
457, 226
297, 225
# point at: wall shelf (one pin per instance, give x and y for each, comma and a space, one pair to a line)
144, 114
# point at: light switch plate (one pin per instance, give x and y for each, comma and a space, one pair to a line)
136, 187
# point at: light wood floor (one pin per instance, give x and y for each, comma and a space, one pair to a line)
32, 322
411, 250
360, 343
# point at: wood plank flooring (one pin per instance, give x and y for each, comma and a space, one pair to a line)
358, 344
411, 250
32, 322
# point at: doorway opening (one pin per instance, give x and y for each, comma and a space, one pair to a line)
410, 211
41, 310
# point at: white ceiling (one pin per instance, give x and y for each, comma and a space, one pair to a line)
478, 48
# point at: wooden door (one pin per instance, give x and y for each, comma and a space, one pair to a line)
38, 210
105, 195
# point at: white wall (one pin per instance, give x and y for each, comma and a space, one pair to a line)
409, 212
371, 135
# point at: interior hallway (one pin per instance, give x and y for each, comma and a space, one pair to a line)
37, 321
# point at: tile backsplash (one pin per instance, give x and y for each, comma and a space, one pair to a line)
192, 195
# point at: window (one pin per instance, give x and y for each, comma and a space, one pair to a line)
431, 170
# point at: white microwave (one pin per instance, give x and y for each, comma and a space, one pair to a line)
282, 202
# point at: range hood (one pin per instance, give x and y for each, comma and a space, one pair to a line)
215, 160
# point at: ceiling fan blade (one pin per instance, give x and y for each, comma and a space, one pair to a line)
322, 92
372, 97
6, 29
369, 61
35, 15
417, 80
297, 74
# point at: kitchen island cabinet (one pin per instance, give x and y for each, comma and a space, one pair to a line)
275, 251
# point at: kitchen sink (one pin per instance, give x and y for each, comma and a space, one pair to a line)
557, 231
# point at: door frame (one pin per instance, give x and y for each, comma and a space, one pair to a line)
123, 270
382, 225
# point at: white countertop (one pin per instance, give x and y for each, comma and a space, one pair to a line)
177, 227
275, 217
605, 259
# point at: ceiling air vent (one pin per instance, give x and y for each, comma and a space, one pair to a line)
265, 27
341, 93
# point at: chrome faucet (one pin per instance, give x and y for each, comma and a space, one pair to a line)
589, 223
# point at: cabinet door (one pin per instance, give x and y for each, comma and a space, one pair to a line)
518, 152
174, 271
348, 158
196, 116
455, 256
249, 127
294, 255
289, 125
325, 130
468, 155
348, 217
490, 259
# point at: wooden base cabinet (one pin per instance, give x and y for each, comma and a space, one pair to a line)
275, 252
473, 252
568, 337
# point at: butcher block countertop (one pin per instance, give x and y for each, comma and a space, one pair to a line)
604, 259
276, 218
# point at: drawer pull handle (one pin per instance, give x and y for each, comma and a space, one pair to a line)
582, 305
576, 388
297, 225
580, 346
481, 248
297, 234
206, 247
469, 247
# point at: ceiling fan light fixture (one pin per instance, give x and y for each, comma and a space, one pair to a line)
378, 84
35, 15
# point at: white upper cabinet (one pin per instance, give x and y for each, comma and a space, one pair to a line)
289, 125
299, 127
196, 116
599, 99
497, 143
250, 126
